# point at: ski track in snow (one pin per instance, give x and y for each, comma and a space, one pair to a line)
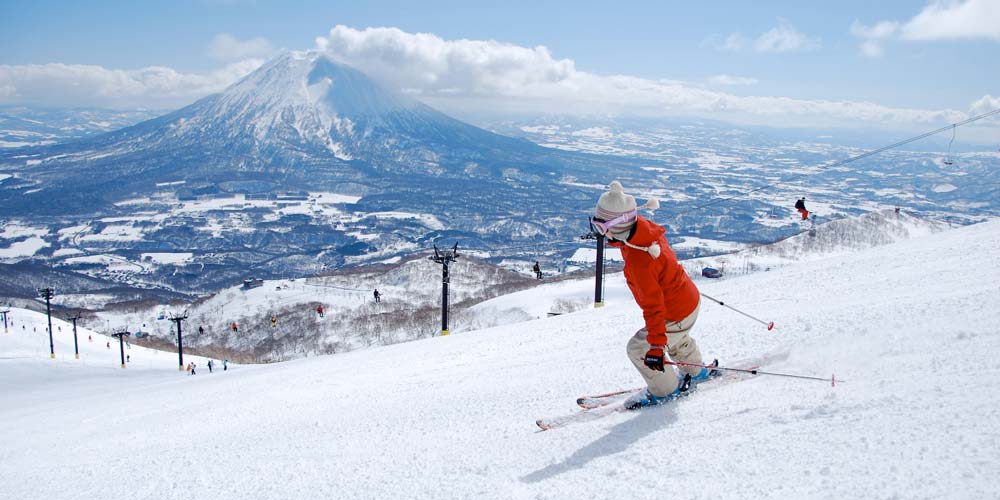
453, 417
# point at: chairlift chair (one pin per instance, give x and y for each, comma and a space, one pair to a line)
948, 161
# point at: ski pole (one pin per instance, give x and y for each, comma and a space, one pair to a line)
770, 326
754, 371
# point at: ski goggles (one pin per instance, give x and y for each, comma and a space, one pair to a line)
601, 226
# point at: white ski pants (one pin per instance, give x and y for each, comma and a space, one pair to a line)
681, 347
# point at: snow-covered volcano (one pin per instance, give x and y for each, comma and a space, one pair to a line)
308, 102
301, 121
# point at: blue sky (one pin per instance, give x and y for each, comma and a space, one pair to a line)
932, 56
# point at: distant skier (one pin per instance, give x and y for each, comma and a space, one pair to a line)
193, 366
128, 358
274, 321
210, 366
378, 296
201, 330
319, 310
225, 364
235, 329
90, 339
668, 298
800, 205
109, 345
189, 368
538, 270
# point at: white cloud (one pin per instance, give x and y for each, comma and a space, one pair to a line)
940, 20
784, 38
58, 84
485, 76
427, 62
734, 42
881, 30
873, 37
985, 104
732, 80
226, 47
944, 20
781, 38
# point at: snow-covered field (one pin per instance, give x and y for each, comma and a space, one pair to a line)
910, 328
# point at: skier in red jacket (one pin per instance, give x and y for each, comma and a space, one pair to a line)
800, 205
668, 298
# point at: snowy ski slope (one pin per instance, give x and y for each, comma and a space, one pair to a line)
911, 328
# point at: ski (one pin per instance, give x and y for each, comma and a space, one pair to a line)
599, 400
591, 402
601, 412
602, 405
584, 416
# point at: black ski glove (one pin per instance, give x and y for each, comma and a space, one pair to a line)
654, 359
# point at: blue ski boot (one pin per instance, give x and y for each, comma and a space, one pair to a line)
643, 398
706, 373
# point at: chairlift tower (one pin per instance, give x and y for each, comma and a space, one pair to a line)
4, 313
445, 258
180, 339
120, 335
599, 273
47, 294
76, 345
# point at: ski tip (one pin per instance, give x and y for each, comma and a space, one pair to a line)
542, 425
581, 401
770, 326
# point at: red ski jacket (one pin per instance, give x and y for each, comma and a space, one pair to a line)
660, 286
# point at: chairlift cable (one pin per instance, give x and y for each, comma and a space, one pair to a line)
852, 159
894, 145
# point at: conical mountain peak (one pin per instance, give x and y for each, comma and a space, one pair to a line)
312, 79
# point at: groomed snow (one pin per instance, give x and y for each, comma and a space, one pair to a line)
910, 328
22, 249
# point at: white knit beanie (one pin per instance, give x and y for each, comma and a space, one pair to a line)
614, 203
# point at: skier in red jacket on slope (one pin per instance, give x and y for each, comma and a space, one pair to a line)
668, 298
800, 205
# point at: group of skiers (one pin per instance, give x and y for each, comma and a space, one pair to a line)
211, 364
320, 311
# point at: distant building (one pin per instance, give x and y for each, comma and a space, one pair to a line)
260, 196
293, 196
252, 283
